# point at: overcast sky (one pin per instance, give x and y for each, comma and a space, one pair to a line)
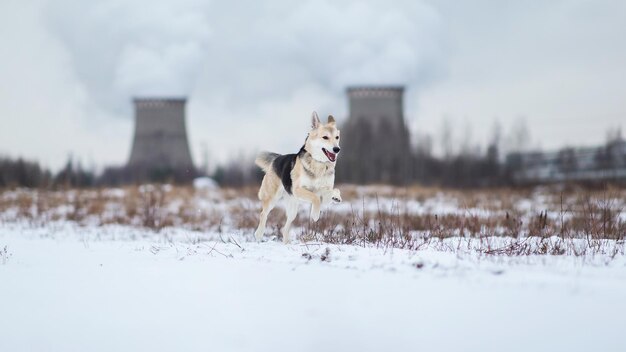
255, 70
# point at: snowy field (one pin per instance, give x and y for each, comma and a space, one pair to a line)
177, 270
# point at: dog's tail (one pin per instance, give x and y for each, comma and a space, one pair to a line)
265, 159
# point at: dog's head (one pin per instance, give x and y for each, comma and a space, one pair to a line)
323, 140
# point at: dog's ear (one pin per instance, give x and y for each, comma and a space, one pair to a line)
331, 119
315, 121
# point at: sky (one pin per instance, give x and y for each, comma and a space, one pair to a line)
254, 71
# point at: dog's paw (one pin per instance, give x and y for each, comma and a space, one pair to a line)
258, 235
336, 196
315, 214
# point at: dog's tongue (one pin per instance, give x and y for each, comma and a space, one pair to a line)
331, 156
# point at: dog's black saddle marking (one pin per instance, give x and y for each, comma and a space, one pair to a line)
283, 165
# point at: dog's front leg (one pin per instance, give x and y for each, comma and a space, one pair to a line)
306, 195
336, 197
331, 194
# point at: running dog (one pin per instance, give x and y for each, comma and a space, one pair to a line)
308, 175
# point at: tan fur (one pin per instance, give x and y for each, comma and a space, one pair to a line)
313, 178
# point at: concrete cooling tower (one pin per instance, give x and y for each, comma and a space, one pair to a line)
160, 145
375, 139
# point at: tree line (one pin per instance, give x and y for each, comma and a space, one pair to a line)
369, 156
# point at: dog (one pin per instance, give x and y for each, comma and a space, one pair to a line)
307, 176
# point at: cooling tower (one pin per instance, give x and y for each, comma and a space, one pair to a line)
160, 143
377, 105
375, 139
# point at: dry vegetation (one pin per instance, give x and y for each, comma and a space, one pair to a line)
555, 221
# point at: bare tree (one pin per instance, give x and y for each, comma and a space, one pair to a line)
466, 147
519, 138
446, 138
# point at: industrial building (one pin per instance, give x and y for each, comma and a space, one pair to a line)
160, 148
591, 164
375, 139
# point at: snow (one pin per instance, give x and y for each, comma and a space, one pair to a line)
67, 287
206, 183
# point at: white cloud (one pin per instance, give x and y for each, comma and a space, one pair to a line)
256, 69
280, 59
45, 111
121, 49
559, 64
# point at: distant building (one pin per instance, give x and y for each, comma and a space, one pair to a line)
375, 140
604, 163
160, 149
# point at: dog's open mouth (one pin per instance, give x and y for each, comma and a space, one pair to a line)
331, 156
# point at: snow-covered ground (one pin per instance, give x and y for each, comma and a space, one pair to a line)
70, 287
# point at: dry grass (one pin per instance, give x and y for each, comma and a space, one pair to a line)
596, 228
4, 255
555, 221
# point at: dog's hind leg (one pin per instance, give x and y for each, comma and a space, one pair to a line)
292, 211
269, 195
267, 207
